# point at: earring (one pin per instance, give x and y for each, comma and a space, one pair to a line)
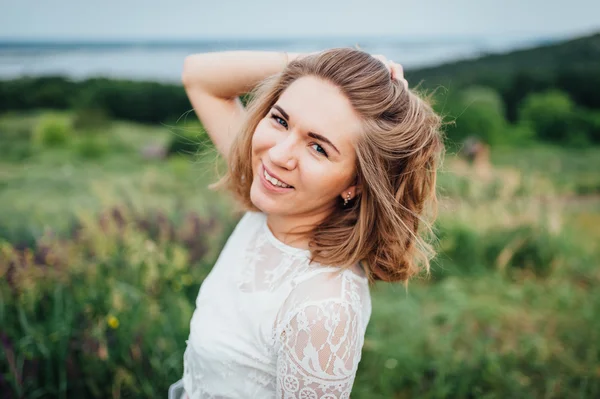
347, 199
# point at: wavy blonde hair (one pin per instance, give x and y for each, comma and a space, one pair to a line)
385, 225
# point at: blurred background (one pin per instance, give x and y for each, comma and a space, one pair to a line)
107, 227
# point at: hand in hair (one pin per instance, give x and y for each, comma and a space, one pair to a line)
396, 70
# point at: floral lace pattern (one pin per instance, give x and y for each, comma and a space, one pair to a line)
273, 325
320, 353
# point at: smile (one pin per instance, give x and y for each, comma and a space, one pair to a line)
273, 183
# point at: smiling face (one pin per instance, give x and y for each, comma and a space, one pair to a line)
305, 143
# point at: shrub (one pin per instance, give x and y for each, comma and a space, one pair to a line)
477, 111
549, 114
554, 117
587, 123
52, 131
70, 314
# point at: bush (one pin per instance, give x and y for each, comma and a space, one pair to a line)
549, 114
554, 117
477, 111
52, 131
71, 319
587, 123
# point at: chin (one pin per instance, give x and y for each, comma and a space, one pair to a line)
262, 201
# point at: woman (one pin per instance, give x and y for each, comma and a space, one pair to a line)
334, 161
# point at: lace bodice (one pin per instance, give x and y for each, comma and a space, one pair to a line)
268, 324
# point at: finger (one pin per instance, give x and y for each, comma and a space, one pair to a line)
392, 69
399, 74
398, 71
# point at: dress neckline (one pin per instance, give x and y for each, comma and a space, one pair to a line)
281, 245
299, 252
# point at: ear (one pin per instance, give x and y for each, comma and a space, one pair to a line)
354, 190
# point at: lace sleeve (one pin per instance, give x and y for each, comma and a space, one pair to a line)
319, 351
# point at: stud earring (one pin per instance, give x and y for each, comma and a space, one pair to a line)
347, 199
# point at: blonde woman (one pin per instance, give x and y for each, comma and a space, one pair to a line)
334, 161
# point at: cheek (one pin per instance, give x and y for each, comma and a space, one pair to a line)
262, 138
325, 178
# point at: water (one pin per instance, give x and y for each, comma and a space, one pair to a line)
163, 61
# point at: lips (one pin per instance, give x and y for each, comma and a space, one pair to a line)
276, 177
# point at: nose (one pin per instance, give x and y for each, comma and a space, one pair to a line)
283, 153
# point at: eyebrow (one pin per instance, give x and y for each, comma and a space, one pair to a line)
310, 134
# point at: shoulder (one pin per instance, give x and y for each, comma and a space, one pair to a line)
249, 220
322, 330
252, 217
329, 293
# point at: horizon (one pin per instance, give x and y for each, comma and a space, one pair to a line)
81, 58
272, 38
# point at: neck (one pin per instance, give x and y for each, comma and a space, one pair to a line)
293, 230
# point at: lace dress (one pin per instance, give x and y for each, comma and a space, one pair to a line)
268, 324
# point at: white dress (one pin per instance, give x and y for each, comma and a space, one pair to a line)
268, 324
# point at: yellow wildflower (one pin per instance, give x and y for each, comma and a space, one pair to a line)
113, 322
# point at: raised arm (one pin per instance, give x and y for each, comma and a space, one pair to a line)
214, 81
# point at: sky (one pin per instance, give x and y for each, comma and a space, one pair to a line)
200, 19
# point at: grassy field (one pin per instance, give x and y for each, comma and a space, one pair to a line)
91, 232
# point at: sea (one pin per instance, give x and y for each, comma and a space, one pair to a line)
162, 60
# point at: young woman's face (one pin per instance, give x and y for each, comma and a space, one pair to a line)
306, 142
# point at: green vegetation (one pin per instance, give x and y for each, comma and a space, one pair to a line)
146, 102
571, 66
547, 94
508, 312
503, 99
108, 230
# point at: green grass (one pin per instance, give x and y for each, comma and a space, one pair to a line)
85, 243
573, 171
58, 182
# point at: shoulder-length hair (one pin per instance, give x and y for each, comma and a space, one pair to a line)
385, 225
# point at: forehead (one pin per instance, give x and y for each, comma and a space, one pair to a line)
320, 107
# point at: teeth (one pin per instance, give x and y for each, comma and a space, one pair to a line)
274, 181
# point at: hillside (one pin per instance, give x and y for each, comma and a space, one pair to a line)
572, 66
581, 54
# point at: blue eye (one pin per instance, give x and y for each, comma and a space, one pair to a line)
319, 149
279, 120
